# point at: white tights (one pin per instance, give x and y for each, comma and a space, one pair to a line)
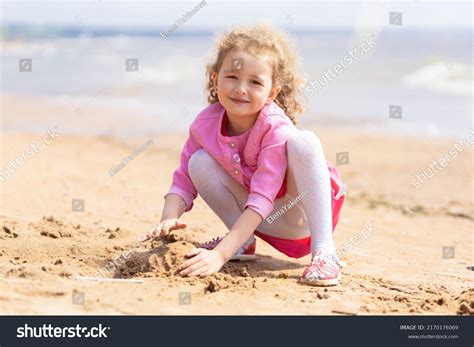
307, 177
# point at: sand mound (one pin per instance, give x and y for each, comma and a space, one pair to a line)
166, 255
160, 261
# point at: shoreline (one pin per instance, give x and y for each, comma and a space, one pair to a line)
106, 120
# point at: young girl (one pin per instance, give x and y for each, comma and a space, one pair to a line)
249, 163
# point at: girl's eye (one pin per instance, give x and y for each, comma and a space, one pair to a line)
256, 82
233, 77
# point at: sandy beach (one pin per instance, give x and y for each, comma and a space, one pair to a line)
63, 216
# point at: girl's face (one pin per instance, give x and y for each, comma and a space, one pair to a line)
244, 84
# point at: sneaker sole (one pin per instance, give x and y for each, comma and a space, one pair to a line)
322, 283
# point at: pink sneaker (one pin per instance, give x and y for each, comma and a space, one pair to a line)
243, 253
324, 270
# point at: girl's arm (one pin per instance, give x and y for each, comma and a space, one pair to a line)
174, 207
240, 232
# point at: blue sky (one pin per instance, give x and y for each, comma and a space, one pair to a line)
219, 13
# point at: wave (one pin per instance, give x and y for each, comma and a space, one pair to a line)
442, 76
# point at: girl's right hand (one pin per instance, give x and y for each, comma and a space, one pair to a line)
164, 228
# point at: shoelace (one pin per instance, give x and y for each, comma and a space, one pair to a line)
318, 267
332, 257
319, 264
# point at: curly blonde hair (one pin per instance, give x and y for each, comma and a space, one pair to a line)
263, 39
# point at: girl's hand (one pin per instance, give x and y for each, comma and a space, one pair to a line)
164, 228
203, 262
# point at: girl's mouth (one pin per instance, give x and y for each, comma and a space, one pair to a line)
239, 101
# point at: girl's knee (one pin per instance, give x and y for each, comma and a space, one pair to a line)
200, 162
303, 136
304, 142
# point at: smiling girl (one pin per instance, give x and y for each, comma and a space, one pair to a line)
247, 160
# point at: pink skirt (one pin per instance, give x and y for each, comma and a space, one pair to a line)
301, 247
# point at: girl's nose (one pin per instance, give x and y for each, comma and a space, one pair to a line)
241, 89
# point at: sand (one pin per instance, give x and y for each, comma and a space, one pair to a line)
398, 269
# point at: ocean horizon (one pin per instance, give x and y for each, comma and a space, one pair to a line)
426, 72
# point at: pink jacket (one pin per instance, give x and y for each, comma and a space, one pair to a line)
262, 168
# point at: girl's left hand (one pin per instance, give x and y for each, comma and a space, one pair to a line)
203, 262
